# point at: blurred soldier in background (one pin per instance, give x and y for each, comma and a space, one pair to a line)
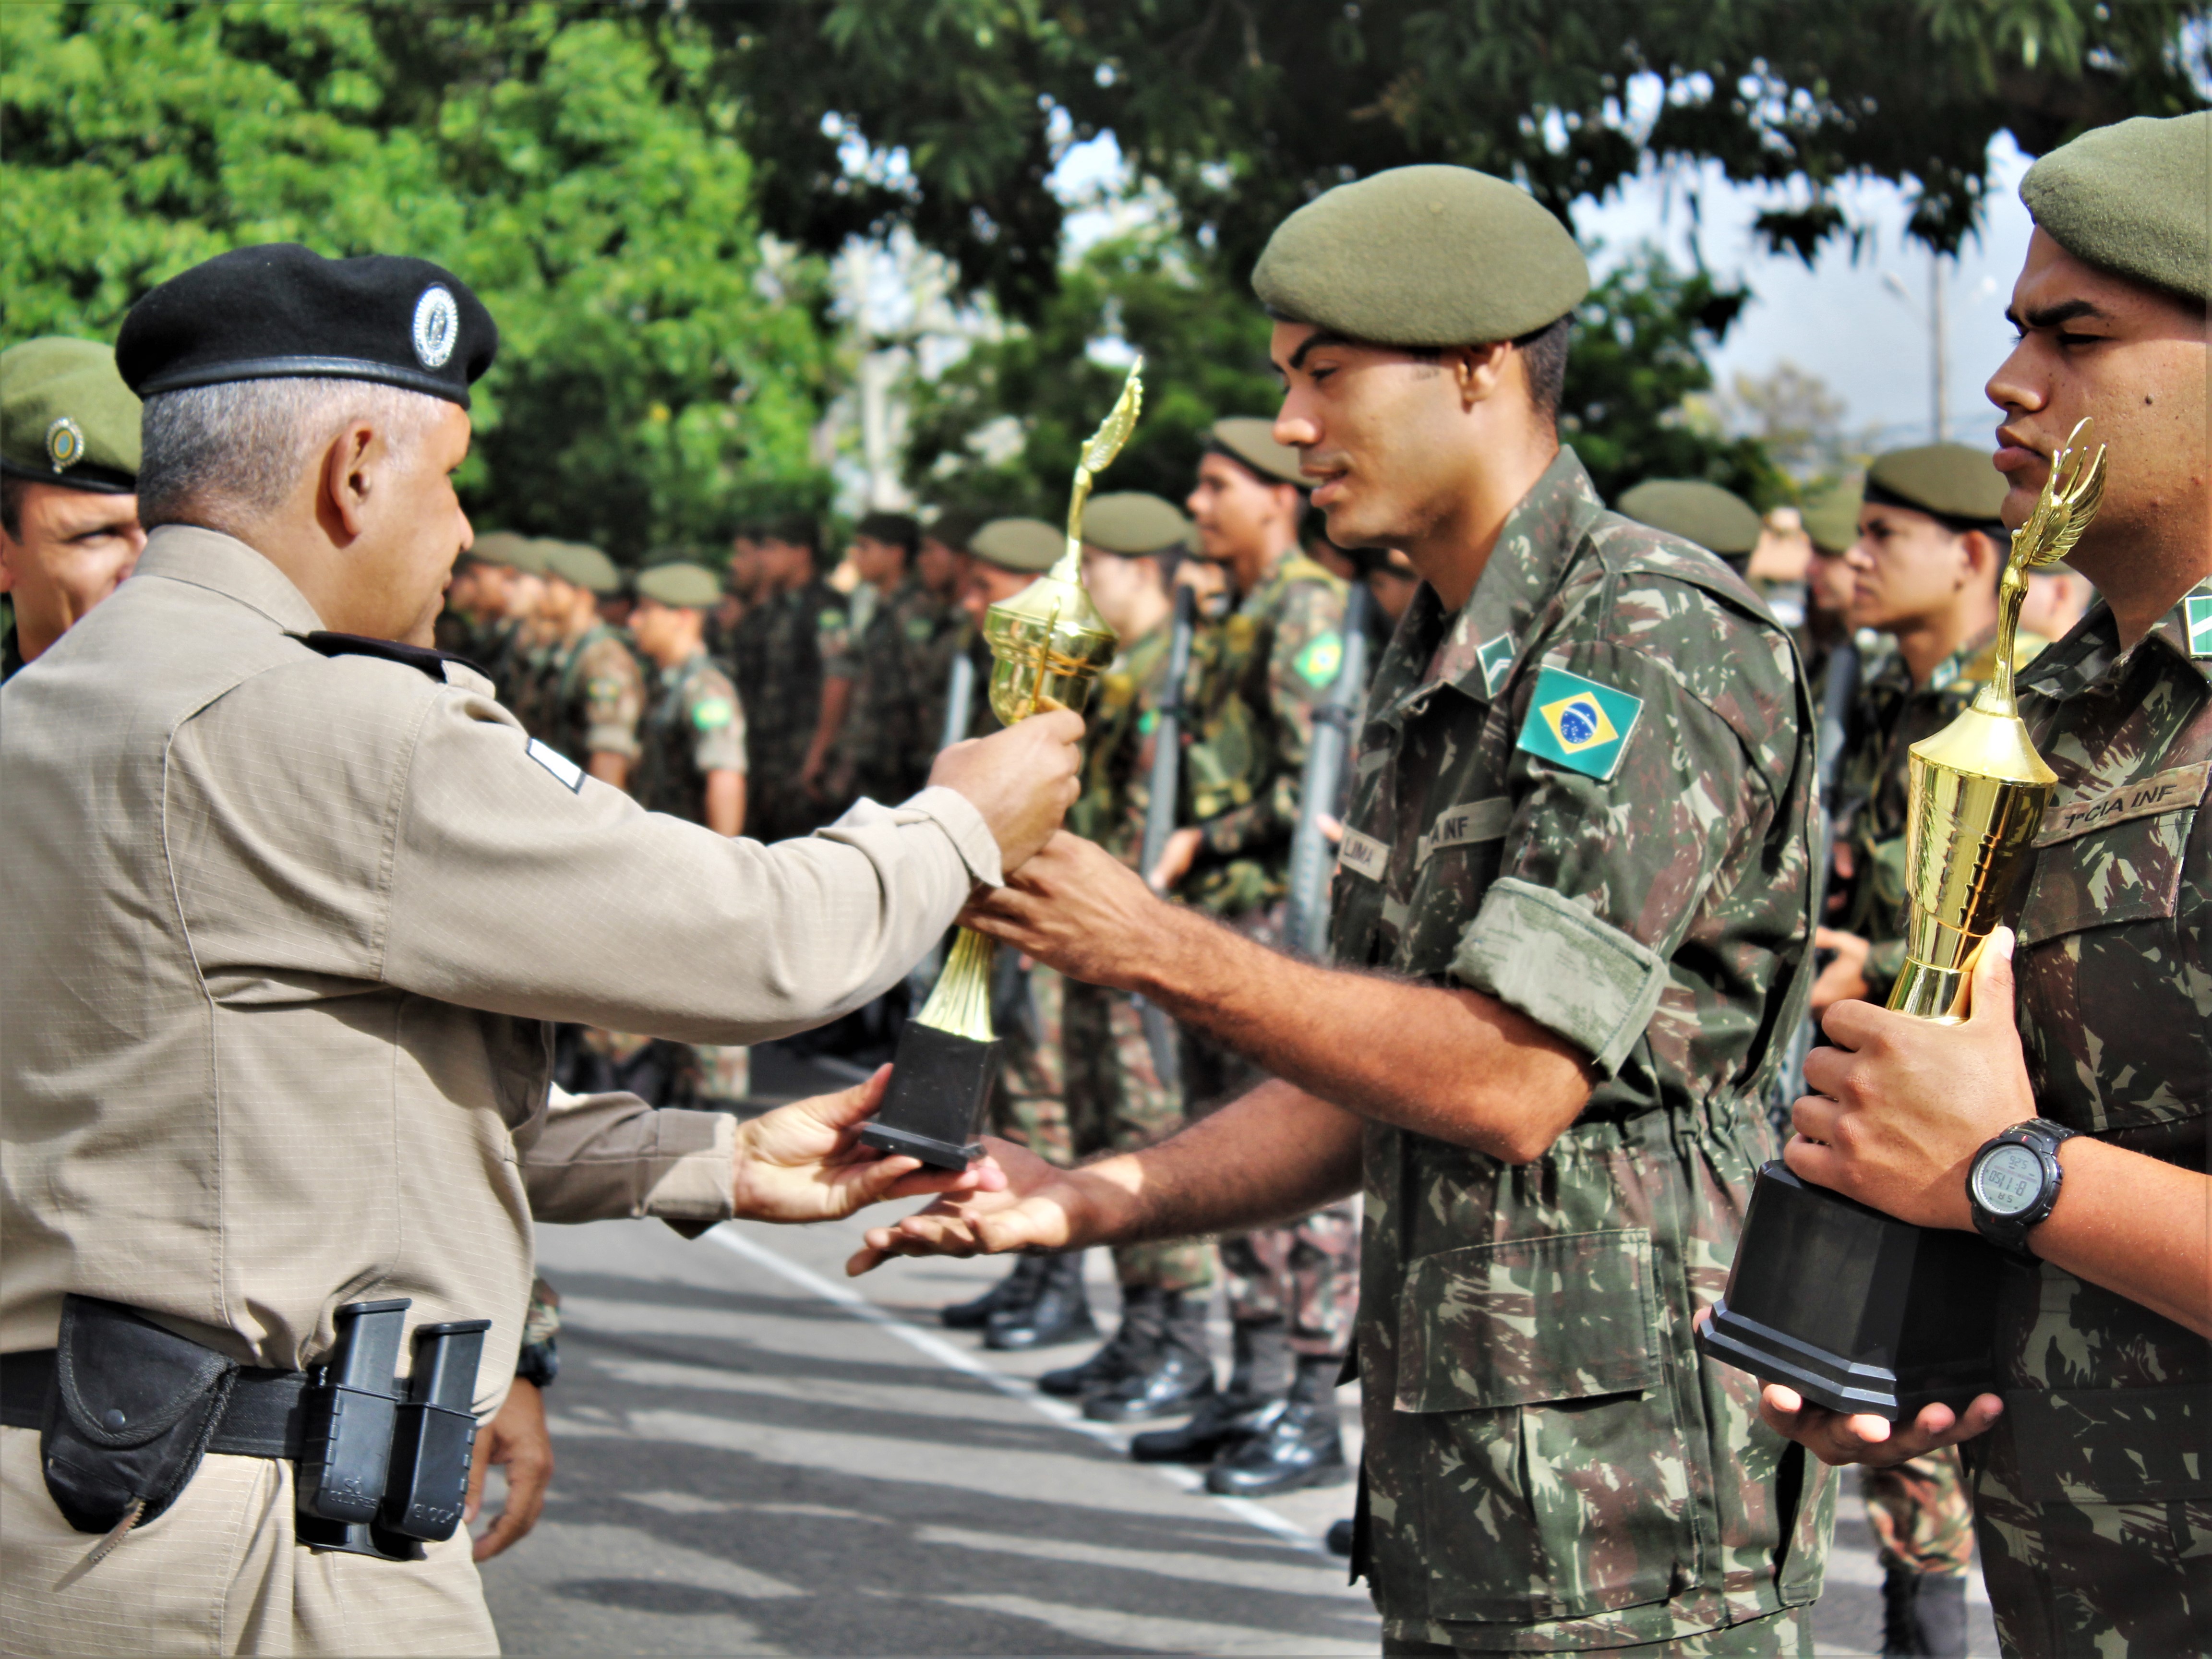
593, 692
691, 760
780, 646
1719, 520
881, 553
476, 598
944, 566
69, 482
1924, 569
504, 644
1830, 518
1293, 1290
741, 592
2059, 596
1158, 1363
1042, 1301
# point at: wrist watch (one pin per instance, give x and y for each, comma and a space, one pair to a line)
538, 1363
2014, 1181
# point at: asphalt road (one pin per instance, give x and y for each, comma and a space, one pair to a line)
759, 1456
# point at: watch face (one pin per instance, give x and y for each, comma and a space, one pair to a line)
2008, 1180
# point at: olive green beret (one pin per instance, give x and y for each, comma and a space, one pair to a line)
1831, 518
493, 547
1955, 481
1132, 522
1719, 520
2134, 198
1422, 255
1018, 544
693, 587
1251, 440
586, 567
527, 555
66, 417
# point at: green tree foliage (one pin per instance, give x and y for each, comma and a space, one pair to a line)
1038, 391
1244, 110
1638, 355
566, 163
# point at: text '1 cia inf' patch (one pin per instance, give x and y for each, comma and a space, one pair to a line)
1579, 724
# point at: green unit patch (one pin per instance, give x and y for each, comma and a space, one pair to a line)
713, 715
1322, 659
1579, 724
2196, 616
918, 629
1496, 660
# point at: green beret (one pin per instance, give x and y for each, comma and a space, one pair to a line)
493, 547
66, 417
2134, 198
1831, 518
529, 556
692, 586
1954, 481
1422, 255
1251, 440
1719, 520
1024, 545
586, 567
1133, 523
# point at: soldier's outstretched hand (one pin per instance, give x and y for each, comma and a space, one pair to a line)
805, 1162
1036, 1206
1022, 780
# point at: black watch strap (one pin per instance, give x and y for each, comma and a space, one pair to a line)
2009, 1229
538, 1363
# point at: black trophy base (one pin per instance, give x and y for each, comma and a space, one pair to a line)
934, 1109
1855, 1310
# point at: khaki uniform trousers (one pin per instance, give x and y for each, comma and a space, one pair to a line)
219, 1573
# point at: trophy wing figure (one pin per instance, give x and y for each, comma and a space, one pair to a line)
2068, 502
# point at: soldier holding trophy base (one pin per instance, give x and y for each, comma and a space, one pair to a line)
2064, 1118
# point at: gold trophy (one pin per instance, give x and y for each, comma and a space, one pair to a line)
1049, 644
1855, 1310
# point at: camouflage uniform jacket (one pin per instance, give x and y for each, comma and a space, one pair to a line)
2106, 1403
1549, 1464
1888, 716
1256, 679
782, 644
899, 668
595, 694
1117, 748
695, 726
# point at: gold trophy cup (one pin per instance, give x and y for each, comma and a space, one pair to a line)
1855, 1310
1048, 645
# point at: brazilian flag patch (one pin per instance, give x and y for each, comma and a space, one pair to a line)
1320, 660
712, 713
1579, 724
2196, 616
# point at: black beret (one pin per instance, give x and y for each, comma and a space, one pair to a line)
259, 314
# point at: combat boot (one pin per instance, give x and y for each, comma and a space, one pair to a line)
1170, 1376
1924, 1615
1259, 1378
1304, 1446
1059, 1312
1017, 1290
1128, 1348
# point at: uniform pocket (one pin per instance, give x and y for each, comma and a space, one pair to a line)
2128, 872
1558, 1483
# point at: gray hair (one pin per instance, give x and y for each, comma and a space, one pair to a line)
235, 451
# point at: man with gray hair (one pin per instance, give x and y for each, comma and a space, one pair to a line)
287, 901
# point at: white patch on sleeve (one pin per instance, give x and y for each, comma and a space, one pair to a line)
570, 774
1364, 855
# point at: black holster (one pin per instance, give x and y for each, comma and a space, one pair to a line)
130, 1415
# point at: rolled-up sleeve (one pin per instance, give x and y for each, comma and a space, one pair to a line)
1600, 879
519, 885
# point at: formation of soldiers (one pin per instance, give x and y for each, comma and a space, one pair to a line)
1626, 800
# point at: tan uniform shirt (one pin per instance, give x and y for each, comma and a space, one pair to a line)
277, 934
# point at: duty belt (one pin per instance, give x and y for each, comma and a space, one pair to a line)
262, 1418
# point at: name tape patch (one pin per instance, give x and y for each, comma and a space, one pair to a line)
570, 775
1579, 724
1466, 824
2171, 791
1363, 855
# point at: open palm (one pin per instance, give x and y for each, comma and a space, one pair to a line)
805, 1162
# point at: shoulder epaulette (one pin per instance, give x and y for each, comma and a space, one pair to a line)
421, 658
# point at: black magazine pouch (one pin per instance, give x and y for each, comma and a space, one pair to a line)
133, 1408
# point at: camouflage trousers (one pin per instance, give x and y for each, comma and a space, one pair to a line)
1303, 1272
2099, 1580
1028, 1105
1788, 1632
1922, 1514
1117, 1102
